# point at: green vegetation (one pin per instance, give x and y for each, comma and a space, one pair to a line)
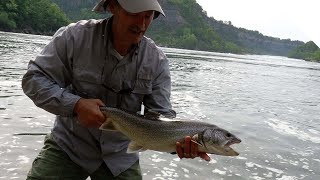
316, 56
253, 41
309, 51
186, 25
31, 16
79, 9
195, 33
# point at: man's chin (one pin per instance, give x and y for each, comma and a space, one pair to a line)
136, 40
137, 36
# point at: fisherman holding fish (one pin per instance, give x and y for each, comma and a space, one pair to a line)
92, 64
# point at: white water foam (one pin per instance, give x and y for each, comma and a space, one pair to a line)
217, 171
284, 177
274, 170
286, 128
155, 158
23, 159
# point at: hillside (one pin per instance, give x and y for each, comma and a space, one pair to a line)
186, 25
254, 41
31, 16
309, 51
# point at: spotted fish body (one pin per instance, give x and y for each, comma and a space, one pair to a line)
161, 135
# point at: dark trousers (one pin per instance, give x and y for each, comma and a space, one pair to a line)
53, 163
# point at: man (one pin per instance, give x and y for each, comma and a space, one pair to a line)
99, 63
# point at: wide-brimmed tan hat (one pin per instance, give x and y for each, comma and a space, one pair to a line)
132, 6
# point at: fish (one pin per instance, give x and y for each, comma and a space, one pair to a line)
153, 132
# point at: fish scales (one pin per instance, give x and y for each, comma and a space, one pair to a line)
162, 135
154, 129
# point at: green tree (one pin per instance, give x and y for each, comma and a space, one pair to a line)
306, 51
5, 22
8, 13
43, 15
35, 16
316, 56
187, 40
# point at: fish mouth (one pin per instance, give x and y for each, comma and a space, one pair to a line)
229, 150
232, 141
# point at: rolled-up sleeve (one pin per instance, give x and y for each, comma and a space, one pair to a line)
159, 99
49, 75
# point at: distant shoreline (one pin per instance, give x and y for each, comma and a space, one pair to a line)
25, 31
31, 32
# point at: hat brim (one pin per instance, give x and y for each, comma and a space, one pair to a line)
132, 6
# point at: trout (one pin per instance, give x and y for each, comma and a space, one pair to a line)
151, 132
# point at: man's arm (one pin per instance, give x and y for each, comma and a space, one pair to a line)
47, 78
159, 100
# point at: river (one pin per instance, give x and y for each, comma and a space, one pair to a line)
272, 103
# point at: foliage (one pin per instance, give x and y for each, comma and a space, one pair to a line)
309, 51
253, 41
34, 16
185, 26
316, 56
195, 33
79, 9
6, 22
8, 12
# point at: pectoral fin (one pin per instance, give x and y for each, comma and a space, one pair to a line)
195, 139
107, 125
135, 147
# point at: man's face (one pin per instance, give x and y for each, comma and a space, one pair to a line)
131, 26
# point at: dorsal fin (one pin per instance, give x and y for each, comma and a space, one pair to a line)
153, 115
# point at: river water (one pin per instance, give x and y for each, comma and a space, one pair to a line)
271, 103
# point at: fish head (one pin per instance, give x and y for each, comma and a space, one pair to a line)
217, 141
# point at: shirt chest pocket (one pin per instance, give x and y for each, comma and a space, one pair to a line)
143, 84
87, 84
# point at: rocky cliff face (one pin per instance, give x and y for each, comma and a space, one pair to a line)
173, 18
252, 41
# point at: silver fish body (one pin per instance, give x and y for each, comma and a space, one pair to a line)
162, 135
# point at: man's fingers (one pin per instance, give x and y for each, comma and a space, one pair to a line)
99, 103
204, 156
190, 150
100, 117
194, 150
187, 147
179, 150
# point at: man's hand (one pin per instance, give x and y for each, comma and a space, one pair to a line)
190, 150
88, 111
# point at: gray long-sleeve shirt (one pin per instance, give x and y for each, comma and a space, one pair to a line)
80, 62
